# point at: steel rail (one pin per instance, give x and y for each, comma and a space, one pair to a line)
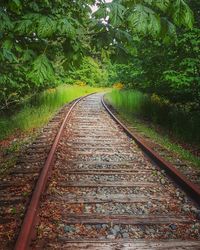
192, 189
26, 230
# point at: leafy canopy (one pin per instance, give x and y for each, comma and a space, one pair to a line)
40, 39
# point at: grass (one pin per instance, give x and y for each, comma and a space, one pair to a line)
41, 108
133, 107
177, 120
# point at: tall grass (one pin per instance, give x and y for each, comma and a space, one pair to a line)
174, 120
41, 108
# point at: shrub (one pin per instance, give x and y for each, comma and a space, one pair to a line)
118, 85
80, 83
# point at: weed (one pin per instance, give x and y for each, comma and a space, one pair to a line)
13, 210
130, 106
25, 194
41, 108
174, 120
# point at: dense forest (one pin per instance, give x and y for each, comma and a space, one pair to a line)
145, 44
151, 46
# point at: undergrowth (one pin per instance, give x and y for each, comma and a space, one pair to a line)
40, 109
133, 105
177, 120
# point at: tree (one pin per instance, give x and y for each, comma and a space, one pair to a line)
40, 39
33, 34
159, 64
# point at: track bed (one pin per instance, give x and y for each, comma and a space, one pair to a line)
104, 193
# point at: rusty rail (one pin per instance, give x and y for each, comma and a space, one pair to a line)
26, 231
189, 187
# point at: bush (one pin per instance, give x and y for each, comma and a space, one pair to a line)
80, 83
90, 72
118, 85
178, 120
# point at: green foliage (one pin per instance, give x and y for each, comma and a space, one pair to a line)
144, 20
182, 14
167, 70
115, 11
46, 26
42, 70
159, 138
32, 36
171, 71
66, 28
147, 16
174, 120
44, 42
37, 111
6, 52
91, 72
129, 74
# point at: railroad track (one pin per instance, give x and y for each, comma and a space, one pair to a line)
104, 193
16, 188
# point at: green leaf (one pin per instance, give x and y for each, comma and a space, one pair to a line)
6, 54
144, 20
42, 70
5, 22
101, 12
115, 13
182, 14
113, 10
30, 23
46, 26
34, 6
8, 44
24, 26
168, 30
28, 55
162, 4
65, 27
15, 6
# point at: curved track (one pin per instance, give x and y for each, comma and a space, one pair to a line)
104, 193
191, 188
